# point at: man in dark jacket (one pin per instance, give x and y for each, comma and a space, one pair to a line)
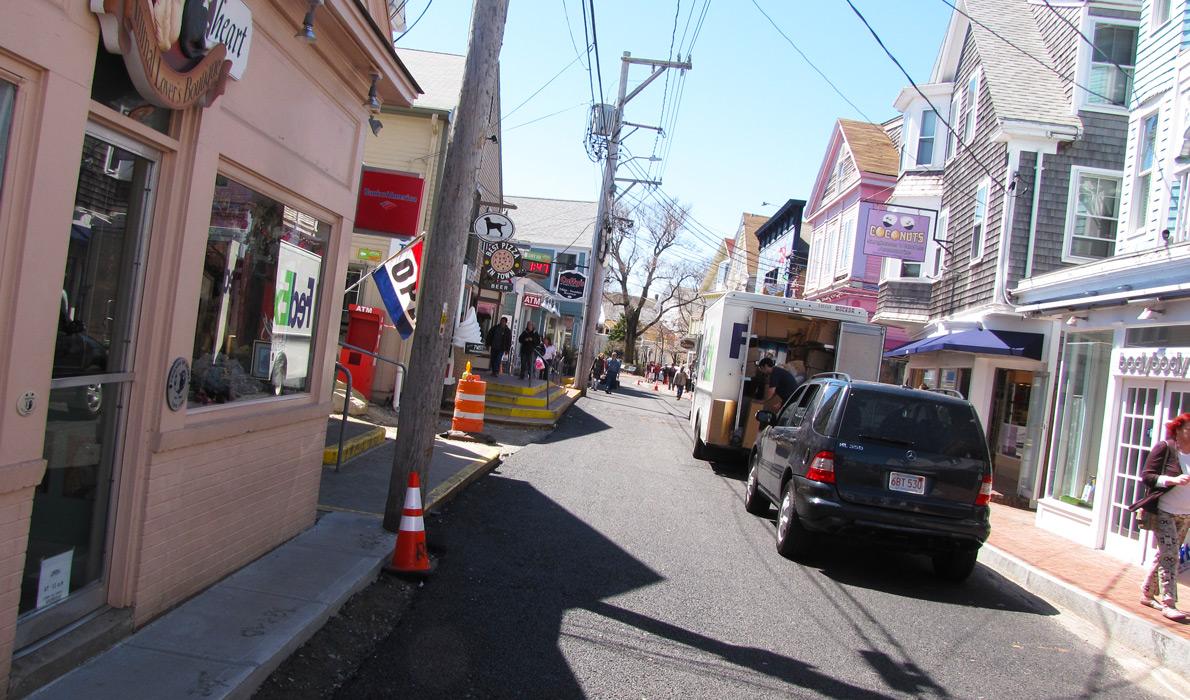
499, 341
528, 340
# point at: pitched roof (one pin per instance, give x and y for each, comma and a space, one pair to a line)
870, 146
1020, 91
440, 76
559, 223
750, 224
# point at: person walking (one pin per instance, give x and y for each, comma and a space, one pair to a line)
528, 341
547, 355
1167, 506
681, 380
611, 374
597, 369
499, 341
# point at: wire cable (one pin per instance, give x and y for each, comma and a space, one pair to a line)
410, 27
595, 43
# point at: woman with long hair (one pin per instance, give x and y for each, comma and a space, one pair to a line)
1167, 475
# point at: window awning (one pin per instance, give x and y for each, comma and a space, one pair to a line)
980, 341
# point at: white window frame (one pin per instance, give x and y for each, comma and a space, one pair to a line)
827, 273
845, 252
952, 136
1156, 24
814, 263
1083, 65
937, 256
921, 122
986, 185
1076, 174
971, 105
1139, 224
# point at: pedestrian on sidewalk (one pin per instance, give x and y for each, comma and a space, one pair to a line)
499, 341
681, 380
1167, 508
548, 355
611, 375
528, 340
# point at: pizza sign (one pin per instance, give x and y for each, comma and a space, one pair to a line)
501, 262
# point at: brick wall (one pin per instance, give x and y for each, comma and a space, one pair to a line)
15, 510
213, 508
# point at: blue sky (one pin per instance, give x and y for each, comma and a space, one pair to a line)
753, 120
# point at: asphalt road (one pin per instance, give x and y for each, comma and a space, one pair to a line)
606, 562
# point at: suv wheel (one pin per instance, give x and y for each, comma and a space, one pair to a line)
793, 541
754, 501
955, 567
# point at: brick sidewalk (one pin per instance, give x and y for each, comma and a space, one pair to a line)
1097, 573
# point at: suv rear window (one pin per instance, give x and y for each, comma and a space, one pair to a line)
935, 427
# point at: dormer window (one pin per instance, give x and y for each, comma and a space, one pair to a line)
925, 137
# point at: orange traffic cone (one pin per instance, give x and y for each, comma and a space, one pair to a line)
655, 386
409, 554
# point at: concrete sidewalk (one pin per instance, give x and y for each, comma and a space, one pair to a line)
224, 642
1094, 586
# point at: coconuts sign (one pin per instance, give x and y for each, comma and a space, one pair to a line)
894, 234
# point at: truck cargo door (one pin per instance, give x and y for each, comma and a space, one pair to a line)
860, 350
740, 421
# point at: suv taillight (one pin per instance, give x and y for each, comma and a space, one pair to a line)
985, 492
822, 468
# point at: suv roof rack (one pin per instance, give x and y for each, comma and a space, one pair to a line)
840, 375
949, 392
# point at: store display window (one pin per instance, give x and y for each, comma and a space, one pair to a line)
1081, 398
258, 307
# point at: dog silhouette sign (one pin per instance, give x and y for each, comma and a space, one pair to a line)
493, 227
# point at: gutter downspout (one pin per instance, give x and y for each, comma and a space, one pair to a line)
1006, 215
1037, 171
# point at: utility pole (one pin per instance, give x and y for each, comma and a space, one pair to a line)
603, 217
437, 291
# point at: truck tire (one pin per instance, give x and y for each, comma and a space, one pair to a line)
755, 502
700, 447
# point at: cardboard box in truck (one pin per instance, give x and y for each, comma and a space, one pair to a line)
740, 328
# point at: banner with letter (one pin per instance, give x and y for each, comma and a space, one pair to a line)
396, 280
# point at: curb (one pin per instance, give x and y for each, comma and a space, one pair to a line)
353, 447
1117, 625
446, 491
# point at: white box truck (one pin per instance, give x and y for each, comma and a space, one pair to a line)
740, 328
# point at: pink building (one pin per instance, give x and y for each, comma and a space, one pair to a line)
858, 171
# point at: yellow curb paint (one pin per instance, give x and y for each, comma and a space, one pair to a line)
353, 447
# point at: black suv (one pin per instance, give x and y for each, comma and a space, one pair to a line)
901, 467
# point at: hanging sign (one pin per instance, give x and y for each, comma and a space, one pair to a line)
230, 24
165, 48
572, 284
369, 255
493, 227
533, 301
501, 262
389, 202
893, 234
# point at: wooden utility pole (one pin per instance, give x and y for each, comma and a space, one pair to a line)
446, 244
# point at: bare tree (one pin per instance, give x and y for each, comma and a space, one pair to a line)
645, 256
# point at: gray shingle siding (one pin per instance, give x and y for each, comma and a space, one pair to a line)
899, 297
1060, 40
1101, 146
964, 285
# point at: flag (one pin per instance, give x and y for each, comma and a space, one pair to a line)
396, 280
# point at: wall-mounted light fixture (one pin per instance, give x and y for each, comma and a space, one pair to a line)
307, 30
1149, 313
1075, 320
375, 124
373, 103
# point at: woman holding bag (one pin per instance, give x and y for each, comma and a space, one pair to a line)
1167, 506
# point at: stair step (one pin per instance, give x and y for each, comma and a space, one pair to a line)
517, 389
499, 398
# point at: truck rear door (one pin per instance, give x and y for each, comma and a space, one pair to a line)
860, 350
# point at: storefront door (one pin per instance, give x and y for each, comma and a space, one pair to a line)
1147, 405
66, 562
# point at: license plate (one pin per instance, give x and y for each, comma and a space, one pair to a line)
908, 483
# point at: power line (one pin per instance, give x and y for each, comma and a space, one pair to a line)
570, 31
595, 43
1039, 61
551, 114
590, 48
1084, 37
538, 91
961, 143
410, 27
811, 63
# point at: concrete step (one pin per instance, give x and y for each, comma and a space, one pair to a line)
501, 398
520, 412
517, 387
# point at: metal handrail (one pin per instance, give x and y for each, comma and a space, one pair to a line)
340, 367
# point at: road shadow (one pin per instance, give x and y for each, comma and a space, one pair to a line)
911, 575
488, 624
576, 422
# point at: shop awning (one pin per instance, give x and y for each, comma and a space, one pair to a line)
981, 341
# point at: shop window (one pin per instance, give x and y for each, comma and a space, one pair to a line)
8, 93
1082, 387
111, 87
1157, 337
261, 284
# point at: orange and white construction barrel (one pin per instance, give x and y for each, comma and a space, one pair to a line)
469, 403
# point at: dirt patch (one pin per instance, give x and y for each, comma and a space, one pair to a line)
333, 655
